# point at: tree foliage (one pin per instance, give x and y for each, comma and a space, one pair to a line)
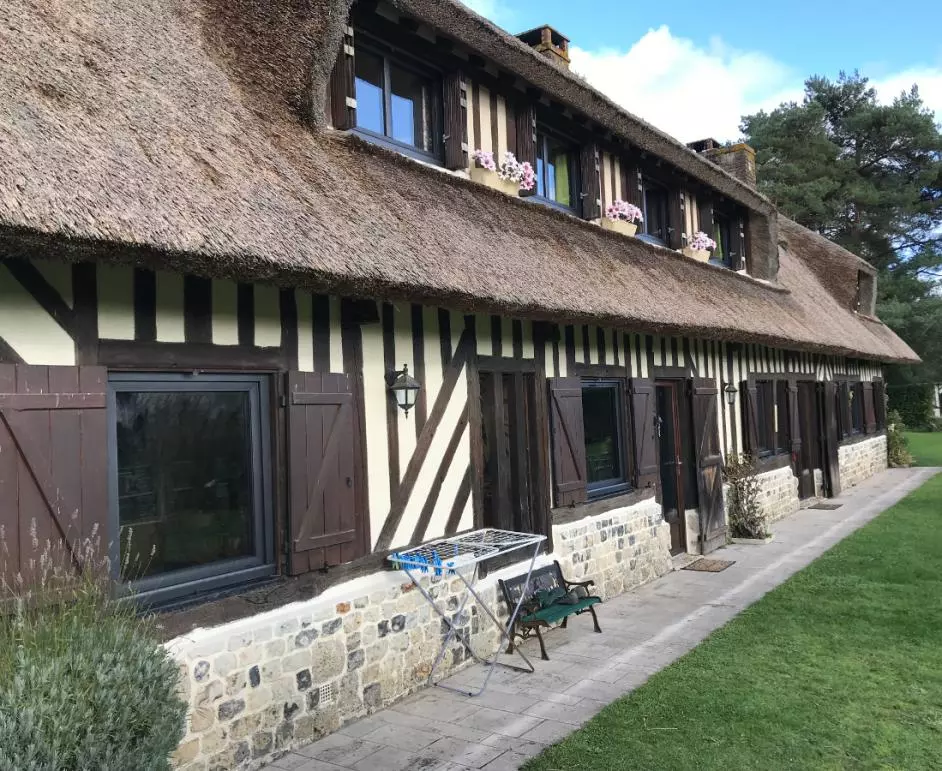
869, 177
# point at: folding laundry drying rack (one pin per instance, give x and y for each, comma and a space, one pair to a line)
460, 556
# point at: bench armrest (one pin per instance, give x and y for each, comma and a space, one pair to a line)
585, 584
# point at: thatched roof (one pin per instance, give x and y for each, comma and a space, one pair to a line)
173, 132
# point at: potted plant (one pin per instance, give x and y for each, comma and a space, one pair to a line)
622, 217
700, 246
510, 177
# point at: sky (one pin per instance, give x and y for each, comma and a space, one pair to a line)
694, 72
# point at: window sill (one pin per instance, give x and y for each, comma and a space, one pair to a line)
551, 204
410, 151
649, 239
773, 462
566, 514
861, 437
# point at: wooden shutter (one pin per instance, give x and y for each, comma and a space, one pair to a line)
343, 102
705, 214
750, 404
644, 432
456, 121
677, 227
526, 138
591, 184
869, 413
794, 421
879, 403
322, 471
567, 440
831, 438
709, 464
631, 182
737, 246
53, 461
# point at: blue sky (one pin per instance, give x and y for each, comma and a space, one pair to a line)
655, 58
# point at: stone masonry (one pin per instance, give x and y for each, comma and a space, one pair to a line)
861, 460
283, 678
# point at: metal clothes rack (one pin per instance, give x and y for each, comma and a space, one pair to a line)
460, 556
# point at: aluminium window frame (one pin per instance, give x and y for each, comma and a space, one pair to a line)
607, 488
391, 54
189, 582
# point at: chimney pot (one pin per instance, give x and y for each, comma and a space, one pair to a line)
553, 45
738, 159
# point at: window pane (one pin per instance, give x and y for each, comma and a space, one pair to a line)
600, 415
410, 110
554, 170
655, 214
369, 92
184, 479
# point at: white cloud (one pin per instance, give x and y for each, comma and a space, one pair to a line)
929, 80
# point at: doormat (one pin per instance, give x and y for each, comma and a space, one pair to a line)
704, 565
826, 506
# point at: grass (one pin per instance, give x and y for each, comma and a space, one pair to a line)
926, 447
838, 668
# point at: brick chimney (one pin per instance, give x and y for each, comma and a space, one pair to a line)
548, 42
739, 159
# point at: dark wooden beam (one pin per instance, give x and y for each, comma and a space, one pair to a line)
43, 293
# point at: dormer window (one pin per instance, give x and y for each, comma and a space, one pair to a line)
397, 103
656, 212
557, 179
723, 235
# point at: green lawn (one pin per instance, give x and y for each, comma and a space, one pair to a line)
926, 447
839, 668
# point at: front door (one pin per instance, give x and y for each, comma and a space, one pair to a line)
509, 439
674, 448
809, 456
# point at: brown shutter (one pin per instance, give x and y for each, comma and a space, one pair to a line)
322, 470
737, 246
879, 404
343, 101
526, 136
644, 431
567, 440
831, 438
591, 188
677, 227
456, 121
709, 464
869, 414
631, 182
705, 214
53, 460
750, 404
794, 421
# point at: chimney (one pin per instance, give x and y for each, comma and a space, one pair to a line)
548, 42
739, 159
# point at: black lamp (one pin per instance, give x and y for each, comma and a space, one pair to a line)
404, 387
730, 392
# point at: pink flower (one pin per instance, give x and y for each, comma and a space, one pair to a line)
622, 210
702, 242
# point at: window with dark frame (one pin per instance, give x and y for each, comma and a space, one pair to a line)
855, 394
656, 222
190, 506
398, 103
723, 235
765, 411
557, 172
782, 443
603, 414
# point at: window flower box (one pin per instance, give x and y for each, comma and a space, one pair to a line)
622, 217
510, 177
699, 247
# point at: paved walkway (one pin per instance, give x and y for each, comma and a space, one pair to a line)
643, 631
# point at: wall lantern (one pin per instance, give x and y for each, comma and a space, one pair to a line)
405, 388
730, 392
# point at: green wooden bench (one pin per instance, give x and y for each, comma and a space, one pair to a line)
550, 599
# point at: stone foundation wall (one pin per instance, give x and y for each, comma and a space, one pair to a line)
778, 494
282, 678
861, 460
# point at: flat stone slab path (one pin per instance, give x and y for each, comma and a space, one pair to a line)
643, 631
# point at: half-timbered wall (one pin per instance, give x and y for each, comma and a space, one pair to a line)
419, 466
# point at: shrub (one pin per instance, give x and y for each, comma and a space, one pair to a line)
897, 446
745, 519
86, 684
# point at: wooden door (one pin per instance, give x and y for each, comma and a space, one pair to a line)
828, 407
511, 495
709, 464
809, 451
671, 461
